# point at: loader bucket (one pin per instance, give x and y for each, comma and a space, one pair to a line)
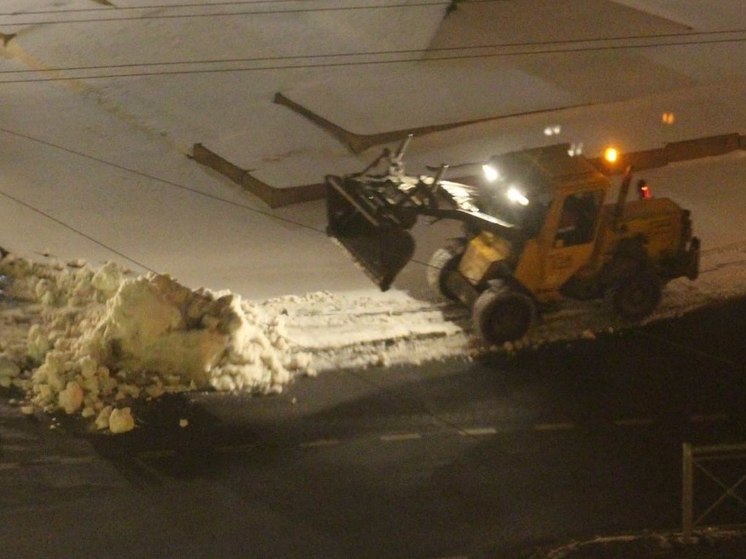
380, 246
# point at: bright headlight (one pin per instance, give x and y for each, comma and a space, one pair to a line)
490, 173
515, 195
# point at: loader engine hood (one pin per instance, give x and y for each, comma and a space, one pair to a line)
483, 253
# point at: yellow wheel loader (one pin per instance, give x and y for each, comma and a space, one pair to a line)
537, 229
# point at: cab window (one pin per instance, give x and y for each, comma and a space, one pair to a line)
578, 218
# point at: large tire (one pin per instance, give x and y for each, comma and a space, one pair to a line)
501, 314
443, 261
637, 295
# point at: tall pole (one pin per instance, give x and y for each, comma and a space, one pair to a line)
687, 493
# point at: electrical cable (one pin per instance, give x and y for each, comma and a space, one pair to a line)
158, 179
161, 180
153, 7
378, 53
365, 62
286, 11
113, 8
75, 230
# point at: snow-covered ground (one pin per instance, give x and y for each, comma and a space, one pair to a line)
102, 101
89, 341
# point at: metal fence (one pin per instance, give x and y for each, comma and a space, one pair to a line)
723, 469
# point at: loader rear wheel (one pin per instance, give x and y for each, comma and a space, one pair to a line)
637, 295
502, 315
443, 261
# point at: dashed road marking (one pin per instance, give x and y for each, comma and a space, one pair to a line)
634, 422
320, 443
236, 448
711, 418
45, 460
163, 453
386, 438
400, 437
478, 431
54, 460
14, 447
566, 426
78, 460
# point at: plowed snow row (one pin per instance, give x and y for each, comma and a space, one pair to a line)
89, 342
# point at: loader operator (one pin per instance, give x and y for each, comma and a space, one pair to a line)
578, 219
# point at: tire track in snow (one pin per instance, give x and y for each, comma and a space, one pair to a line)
393, 328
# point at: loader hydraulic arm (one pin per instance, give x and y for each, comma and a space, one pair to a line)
370, 215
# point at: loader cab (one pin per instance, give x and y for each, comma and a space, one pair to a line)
545, 191
522, 209
566, 194
511, 194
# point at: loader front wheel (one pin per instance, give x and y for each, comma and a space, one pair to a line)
636, 296
443, 261
502, 315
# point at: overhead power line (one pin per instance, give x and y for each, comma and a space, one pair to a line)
75, 230
303, 66
138, 173
152, 7
280, 11
161, 180
431, 50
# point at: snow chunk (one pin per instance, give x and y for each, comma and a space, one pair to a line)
121, 420
102, 420
71, 398
588, 334
148, 327
108, 279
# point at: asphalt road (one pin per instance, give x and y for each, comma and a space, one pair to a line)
446, 460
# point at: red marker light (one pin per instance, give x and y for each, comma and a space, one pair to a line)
643, 190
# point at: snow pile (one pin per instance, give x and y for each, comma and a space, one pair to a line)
196, 338
90, 341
